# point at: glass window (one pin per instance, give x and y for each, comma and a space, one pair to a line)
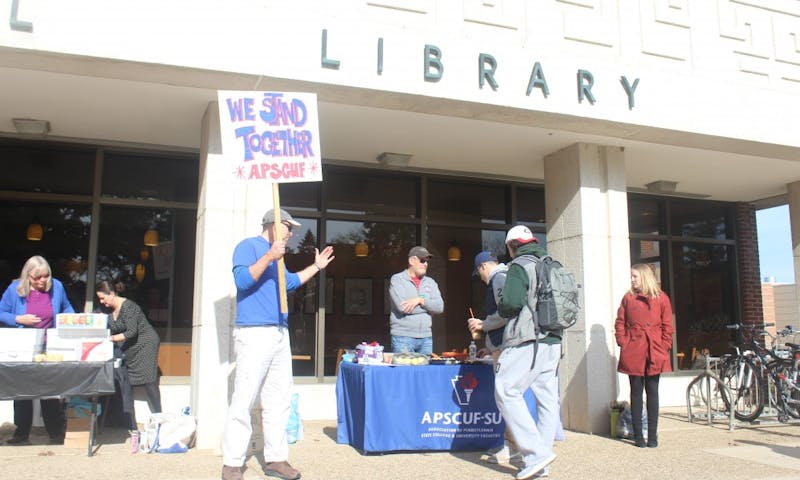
371, 194
301, 196
64, 243
644, 215
357, 309
462, 292
46, 168
160, 278
530, 207
704, 300
467, 202
652, 253
699, 219
148, 176
303, 302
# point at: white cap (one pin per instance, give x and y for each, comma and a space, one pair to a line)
521, 234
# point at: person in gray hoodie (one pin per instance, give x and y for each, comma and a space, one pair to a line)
415, 298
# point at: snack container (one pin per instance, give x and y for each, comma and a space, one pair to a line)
410, 358
369, 353
82, 320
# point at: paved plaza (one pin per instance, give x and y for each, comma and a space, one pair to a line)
686, 450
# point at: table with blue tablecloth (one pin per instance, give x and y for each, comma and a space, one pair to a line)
431, 407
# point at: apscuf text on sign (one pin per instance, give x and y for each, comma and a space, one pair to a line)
277, 171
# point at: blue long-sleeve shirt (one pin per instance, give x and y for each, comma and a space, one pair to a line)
12, 304
257, 301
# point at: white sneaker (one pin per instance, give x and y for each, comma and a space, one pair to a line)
535, 469
543, 473
503, 455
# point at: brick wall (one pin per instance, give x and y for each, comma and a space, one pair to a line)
768, 302
749, 270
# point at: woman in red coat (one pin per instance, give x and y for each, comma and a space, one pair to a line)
644, 334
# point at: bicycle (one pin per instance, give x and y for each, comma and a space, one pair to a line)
757, 376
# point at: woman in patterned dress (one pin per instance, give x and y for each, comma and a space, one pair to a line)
139, 343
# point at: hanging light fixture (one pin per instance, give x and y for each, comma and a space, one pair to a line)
140, 271
362, 249
454, 253
151, 237
35, 230
144, 254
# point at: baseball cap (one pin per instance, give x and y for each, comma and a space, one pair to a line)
269, 217
483, 257
521, 234
419, 252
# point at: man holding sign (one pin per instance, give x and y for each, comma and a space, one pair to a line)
263, 353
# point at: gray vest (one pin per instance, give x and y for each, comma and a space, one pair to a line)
522, 328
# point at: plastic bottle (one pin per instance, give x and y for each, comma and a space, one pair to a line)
473, 350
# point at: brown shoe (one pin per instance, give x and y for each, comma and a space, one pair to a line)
231, 473
281, 470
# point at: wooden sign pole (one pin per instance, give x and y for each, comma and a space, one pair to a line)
276, 202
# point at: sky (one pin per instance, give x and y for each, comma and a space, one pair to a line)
775, 244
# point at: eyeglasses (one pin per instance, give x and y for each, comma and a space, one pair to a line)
288, 226
422, 260
36, 278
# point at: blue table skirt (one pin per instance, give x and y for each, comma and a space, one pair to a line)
432, 407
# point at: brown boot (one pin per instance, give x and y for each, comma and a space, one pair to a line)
231, 473
281, 470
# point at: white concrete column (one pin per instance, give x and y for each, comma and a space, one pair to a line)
794, 220
228, 210
587, 229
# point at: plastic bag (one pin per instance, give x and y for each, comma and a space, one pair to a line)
294, 428
81, 408
168, 433
625, 423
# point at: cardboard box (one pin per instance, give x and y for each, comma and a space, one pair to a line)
20, 344
80, 344
77, 434
101, 351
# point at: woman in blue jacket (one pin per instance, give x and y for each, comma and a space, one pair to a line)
33, 301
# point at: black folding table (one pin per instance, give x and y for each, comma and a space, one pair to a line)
32, 380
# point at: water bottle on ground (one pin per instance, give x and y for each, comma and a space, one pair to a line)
134, 441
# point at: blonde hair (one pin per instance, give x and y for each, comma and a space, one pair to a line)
35, 265
650, 285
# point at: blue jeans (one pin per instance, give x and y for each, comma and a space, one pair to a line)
411, 344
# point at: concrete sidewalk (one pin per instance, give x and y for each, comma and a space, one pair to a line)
692, 451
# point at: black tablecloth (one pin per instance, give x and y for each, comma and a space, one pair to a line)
29, 380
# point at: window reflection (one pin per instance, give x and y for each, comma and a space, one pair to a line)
150, 176
644, 215
303, 302
530, 207
159, 278
46, 168
700, 277
64, 243
699, 219
349, 191
467, 202
704, 300
389, 244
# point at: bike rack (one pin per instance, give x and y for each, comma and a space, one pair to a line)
709, 374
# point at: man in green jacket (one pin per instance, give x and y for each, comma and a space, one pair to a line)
529, 360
